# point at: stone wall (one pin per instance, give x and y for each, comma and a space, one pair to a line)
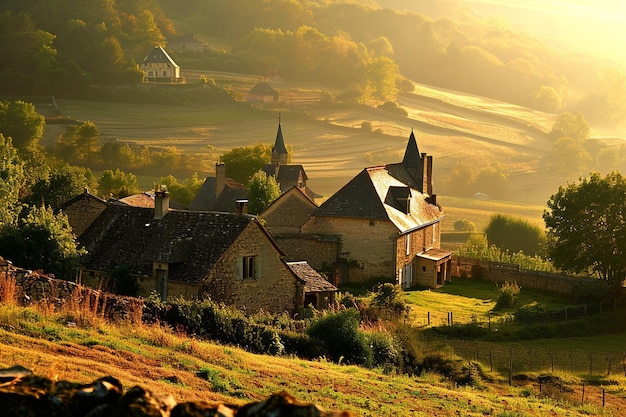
35, 287
82, 211
276, 289
320, 251
368, 244
500, 273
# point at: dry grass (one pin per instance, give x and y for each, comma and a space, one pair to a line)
166, 363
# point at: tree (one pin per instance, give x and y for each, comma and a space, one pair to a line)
42, 240
185, 192
63, 183
243, 162
86, 134
514, 234
11, 180
569, 126
263, 190
22, 123
586, 223
117, 184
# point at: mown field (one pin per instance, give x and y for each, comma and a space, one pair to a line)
328, 139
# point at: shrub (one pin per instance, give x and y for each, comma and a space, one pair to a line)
507, 293
386, 297
385, 350
464, 226
339, 333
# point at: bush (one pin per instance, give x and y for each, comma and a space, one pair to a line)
340, 335
385, 350
464, 226
507, 293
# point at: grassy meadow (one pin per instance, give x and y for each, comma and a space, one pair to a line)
154, 357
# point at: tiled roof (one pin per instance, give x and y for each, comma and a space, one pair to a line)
368, 195
190, 241
288, 174
263, 89
146, 200
313, 281
158, 55
206, 200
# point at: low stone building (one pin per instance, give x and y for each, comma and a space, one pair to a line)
219, 193
229, 257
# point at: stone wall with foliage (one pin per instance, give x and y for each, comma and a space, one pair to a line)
500, 273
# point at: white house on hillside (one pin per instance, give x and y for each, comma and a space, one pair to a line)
158, 66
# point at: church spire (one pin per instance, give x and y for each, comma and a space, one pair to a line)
412, 157
279, 151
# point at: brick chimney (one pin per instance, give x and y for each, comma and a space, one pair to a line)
241, 207
427, 184
220, 178
161, 202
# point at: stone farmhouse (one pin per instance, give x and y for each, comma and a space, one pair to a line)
219, 193
229, 257
158, 66
384, 223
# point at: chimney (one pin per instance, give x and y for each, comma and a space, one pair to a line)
161, 202
427, 184
241, 206
220, 178
276, 170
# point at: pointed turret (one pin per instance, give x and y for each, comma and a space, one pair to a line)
279, 151
412, 157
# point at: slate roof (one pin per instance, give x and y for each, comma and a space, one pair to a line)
287, 174
313, 280
263, 89
373, 194
145, 199
191, 242
206, 200
279, 144
158, 56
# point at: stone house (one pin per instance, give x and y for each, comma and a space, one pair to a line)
219, 193
82, 210
229, 257
158, 66
388, 223
263, 93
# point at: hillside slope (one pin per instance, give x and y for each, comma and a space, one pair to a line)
192, 370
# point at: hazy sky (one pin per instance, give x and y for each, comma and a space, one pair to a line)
598, 26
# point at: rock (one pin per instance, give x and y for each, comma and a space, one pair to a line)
23, 394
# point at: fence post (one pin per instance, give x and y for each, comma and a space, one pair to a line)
451, 320
491, 360
429, 319
582, 400
511, 368
552, 361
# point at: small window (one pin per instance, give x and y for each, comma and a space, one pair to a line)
149, 73
372, 223
165, 73
247, 267
423, 269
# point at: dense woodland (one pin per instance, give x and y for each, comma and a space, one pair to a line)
359, 48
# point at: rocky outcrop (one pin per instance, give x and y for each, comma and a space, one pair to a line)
23, 394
